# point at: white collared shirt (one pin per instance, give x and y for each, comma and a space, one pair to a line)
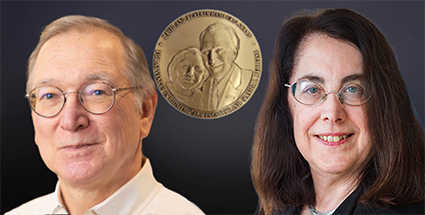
142, 195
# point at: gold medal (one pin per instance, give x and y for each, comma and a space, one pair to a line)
207, 64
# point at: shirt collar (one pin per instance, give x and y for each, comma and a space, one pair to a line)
130, 198
57, 206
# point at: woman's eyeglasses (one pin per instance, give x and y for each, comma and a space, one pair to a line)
310, 93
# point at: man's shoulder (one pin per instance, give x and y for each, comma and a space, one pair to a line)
242, 75
40, 205
167, 201
243, 71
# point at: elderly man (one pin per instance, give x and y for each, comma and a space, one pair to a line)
93, 102
220, 47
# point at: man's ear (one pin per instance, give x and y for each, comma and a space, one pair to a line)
147, 113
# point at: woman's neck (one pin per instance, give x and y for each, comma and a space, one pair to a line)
180, 90
332, 189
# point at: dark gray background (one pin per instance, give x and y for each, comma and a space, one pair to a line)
205, 160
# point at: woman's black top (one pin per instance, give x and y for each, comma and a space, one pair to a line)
351, 206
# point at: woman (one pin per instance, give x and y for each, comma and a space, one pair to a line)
187, 73
336, 133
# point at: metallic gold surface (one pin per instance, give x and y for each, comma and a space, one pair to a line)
207, 64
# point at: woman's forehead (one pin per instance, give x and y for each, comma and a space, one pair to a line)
327, 60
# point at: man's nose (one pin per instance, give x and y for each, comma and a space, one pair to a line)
212, 58
73, 115
333, 108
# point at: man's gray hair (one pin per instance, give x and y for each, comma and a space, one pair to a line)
136, 67
230, 31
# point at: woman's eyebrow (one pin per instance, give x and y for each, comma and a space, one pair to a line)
314, 78
352, 77
321, 80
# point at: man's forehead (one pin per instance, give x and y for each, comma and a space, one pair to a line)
91, 56
222, 38
96, 37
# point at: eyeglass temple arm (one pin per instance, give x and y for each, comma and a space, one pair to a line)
127, 88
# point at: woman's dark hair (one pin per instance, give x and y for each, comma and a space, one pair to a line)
394, 172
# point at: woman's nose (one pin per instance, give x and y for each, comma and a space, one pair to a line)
333, 108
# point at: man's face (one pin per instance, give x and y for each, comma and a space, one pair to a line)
80, 147
218, 52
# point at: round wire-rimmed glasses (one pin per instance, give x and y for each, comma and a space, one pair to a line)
308, 92
95, 97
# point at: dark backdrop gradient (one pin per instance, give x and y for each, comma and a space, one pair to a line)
207, 161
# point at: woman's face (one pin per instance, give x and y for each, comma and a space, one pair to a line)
190, 71
331, 63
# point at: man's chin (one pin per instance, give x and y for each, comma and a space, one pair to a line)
220, 71
216, 73
80, 174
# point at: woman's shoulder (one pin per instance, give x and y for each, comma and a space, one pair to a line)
405, 209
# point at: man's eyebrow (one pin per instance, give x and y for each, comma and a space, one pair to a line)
88, 78
100, 77
47, 81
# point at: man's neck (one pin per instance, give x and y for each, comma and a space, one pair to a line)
79, 199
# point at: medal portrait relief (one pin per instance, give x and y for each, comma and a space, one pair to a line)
209, 78
207, 75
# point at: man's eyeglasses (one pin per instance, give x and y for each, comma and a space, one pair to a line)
310, 93
95, 97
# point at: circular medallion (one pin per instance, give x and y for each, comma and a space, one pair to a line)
207, 64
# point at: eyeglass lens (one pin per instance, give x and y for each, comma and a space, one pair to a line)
48, 101
309, 92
